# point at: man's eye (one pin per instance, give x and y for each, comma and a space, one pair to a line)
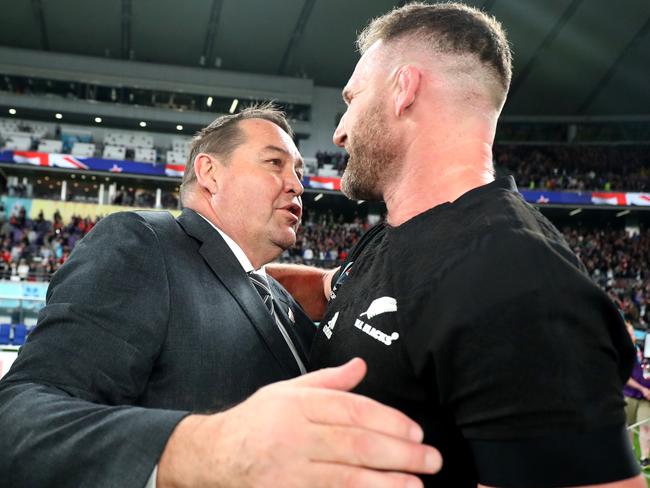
275, 162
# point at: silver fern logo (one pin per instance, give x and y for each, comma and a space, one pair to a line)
379, 306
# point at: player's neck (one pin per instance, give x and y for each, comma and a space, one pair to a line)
429, 178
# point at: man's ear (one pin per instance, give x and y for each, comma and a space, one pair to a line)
408, 83
207, 170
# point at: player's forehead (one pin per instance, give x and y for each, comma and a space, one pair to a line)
366, 68
372, 62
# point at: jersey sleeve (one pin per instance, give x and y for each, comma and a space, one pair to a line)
531, 358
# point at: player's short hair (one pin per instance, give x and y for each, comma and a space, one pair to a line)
450, 28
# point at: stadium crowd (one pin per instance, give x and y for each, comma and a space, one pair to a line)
34, 249
325, 240
577, 167
617, 261
560, 167
620, 263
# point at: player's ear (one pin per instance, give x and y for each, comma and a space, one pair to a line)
408, 83
207, 171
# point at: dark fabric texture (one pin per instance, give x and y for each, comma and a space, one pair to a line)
151, 318
478, 321
262, 287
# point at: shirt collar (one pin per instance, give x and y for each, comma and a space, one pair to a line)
236, 250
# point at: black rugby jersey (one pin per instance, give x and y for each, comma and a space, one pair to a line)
477, 321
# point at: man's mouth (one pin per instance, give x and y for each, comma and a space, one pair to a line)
294, 209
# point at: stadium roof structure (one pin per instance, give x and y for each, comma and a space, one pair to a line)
572, 57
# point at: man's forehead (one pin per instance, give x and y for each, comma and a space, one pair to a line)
258, 129
263, 136
260, 125
369, 62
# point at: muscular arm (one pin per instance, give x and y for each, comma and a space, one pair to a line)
309, 286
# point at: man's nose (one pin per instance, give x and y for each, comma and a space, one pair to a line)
294, 184
340, 134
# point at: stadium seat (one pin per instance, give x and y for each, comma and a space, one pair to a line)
128, 140
8, 127
39, 131
18, 143
5, 330
20, 334
146, 155
50, 146
114, 152
83, 150
176, 157
180, 145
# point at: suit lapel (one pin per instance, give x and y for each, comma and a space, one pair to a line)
225, 266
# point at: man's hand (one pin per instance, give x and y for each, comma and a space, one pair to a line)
305, 432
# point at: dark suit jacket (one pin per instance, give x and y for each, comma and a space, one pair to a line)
149, 319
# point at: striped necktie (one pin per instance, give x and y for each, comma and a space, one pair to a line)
262, 286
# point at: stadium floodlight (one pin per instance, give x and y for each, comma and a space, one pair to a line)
12, 111
575, 211
318, 197
98, 120
58, 116
143, 124
179, 127
233, 107
208, 102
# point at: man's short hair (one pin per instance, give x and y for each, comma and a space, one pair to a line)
450, 28
224, 135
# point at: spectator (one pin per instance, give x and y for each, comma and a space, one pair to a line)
637, 402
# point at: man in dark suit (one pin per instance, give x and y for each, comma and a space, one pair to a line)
153, 318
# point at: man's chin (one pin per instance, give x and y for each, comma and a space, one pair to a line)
355, 191
286, 241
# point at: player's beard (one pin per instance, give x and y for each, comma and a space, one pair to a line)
374, 153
